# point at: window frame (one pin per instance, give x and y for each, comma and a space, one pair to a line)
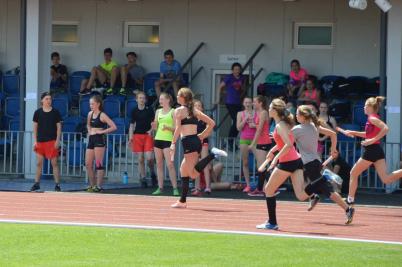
298, 25
127, 24
68, 23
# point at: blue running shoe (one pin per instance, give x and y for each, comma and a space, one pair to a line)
268, 226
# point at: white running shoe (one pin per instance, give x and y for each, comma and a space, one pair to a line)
179, 205
219, 152
99, 90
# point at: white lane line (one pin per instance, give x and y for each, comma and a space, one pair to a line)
198, 230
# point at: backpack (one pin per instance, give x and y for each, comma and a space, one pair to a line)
276, 78
334, 86
271, 90
340, 109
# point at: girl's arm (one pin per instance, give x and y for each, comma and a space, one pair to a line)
331, 134
239, 122
177, 129
112, 126
210, 124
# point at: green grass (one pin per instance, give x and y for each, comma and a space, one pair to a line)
44, 245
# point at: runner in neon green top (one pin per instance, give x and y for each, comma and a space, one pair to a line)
105, 73
164, 126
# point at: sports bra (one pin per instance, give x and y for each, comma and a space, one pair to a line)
96, 122
189, 120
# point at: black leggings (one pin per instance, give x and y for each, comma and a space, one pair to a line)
233, 109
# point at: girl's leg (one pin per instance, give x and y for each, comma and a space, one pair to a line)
171, 168
260, 156
159, 166
381, 168
100, 169
89, 159
298, 185
207, 170
360, 166
244, 154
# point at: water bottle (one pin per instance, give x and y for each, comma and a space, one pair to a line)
332, 177
125, 178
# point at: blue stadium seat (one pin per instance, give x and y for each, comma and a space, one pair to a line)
12, 107
149, 83
61, 104
75, 154
75, 81
69, 126
111, 107
84, 107
358, 115
130, 105
14, 126
11, 84
121, 98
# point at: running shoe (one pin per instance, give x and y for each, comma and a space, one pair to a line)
268, 226
179, 205
123, 91
57, 188
207, 190
109, 91
35, 187
157, 192
97, 189
256, 193
349, 215
86, 91
313, 202
176, 192
219, 152
196, 193
99, 90
347, 202
90, 189
247, 189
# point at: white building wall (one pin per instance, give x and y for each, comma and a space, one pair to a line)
9, 34
227, 27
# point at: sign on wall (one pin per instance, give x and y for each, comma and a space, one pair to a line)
230, 59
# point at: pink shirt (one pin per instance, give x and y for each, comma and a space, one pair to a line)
372, 130
313, 96
247, 133
297, 79
292, 153
264, 138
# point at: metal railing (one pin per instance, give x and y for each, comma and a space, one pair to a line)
119, 158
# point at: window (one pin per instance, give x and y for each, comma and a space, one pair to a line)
313, 35
65, 32
141, 34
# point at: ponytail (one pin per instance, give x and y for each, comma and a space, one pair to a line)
375, 102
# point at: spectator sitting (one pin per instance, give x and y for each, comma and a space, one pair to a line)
106, 73
169, 68
133, 73
298, 78
291, 108
342, 168
59, 75
310, 94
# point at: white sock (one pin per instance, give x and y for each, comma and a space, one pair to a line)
351, 199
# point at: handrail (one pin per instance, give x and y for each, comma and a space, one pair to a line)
250, 60
185, 64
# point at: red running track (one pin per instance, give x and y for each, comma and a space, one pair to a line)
327, 220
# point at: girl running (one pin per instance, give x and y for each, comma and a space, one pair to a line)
261, 143
285, 163
246, 126
306, 136
99, 124
201, 126
187, 117
164, 126
373, 153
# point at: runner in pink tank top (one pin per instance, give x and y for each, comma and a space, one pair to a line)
372, 153
292, 154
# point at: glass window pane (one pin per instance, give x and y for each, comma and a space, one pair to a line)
315, 35
65, 33
143, 34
